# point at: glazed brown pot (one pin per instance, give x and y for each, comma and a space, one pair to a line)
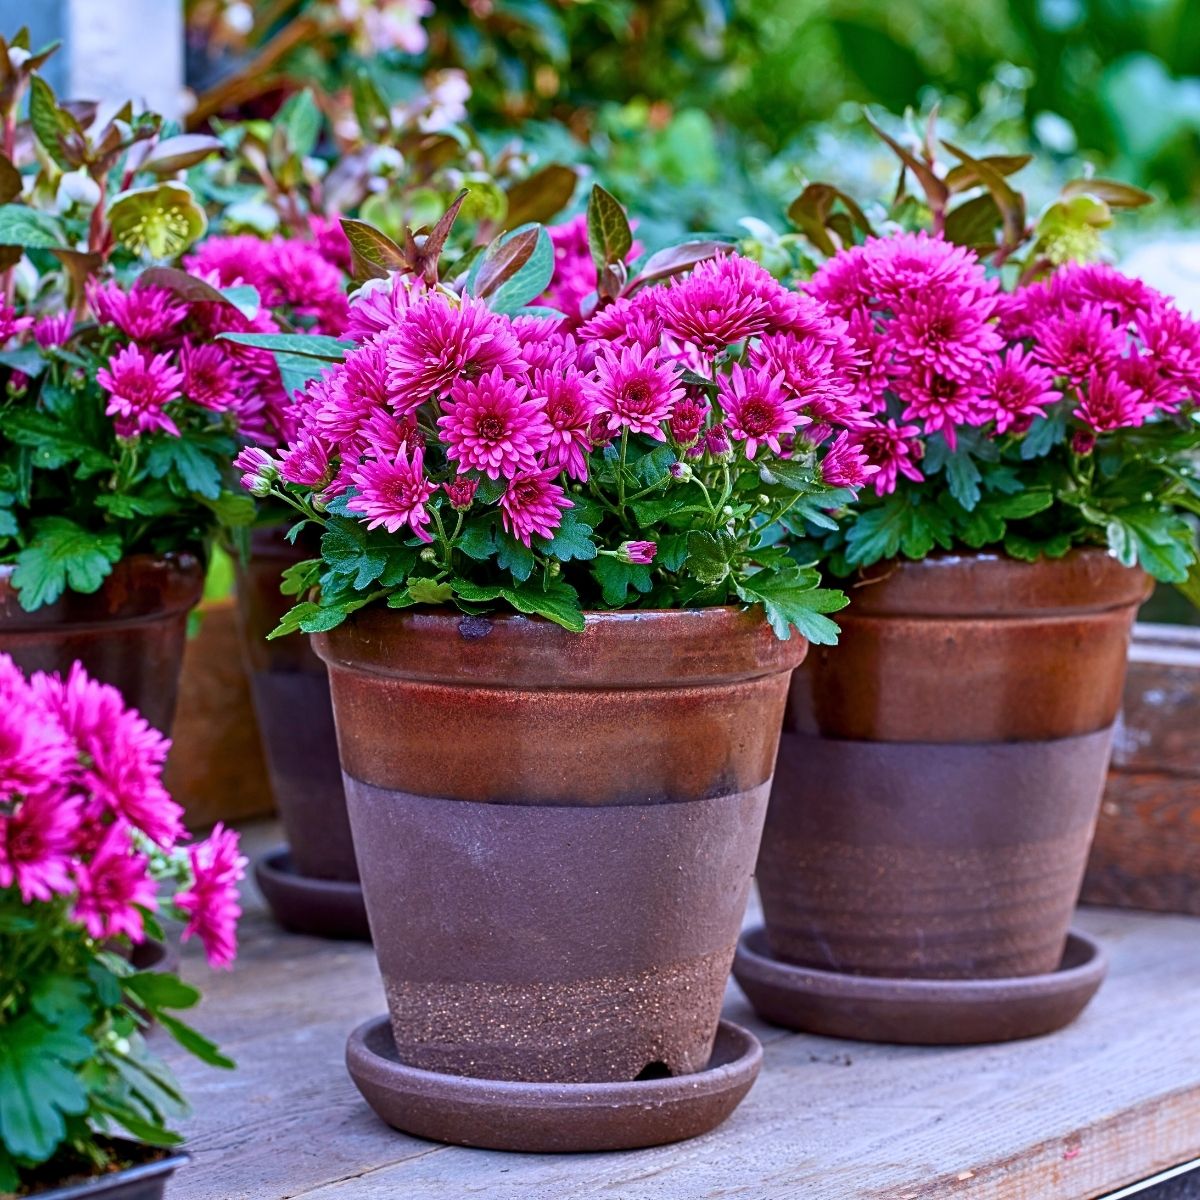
555, 831
130, 633
941, 768
290, 687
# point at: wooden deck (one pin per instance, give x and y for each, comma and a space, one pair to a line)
1113, 1099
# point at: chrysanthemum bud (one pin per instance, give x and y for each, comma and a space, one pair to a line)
259, 470
680, 471
428, 554
461, 492
639, 553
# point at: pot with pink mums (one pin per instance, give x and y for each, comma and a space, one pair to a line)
941, 769
92, 856
559, 628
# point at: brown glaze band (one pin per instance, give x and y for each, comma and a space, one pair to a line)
129, 633
975, 649
568, 943
928, 861
641, 709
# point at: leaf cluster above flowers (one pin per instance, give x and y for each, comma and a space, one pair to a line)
640, 451
91, 849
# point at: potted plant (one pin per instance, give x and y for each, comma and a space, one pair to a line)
92, 855
559, 632
120, 416
941, 770
300, 270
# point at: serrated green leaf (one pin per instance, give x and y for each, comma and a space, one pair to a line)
426, 591
792, 601
196, 471
61, 554
616, 578
572, 540
513, 556
347, 548
709, 556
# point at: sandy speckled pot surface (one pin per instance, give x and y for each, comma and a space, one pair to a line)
556, 831
130, 633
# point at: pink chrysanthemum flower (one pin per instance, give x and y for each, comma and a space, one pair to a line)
306, 462
636, 390
945, 331
846, 464
614, 322
380, 305
11, 324
1171, 341
54, 330
895, 450
350, 395
1077, 284
140, 387
940, 402
544, 345
208, 376
143, 313
1108, 403
637, 553
114, 886
460, 491
36, 753
902, 266
820, 374
493, 425
721, 302
841, 283
1078, 343
36, 845
123, 755
688, 418
1016, 389
233, 260
211, 903
306, 282
757, 408
393, 493
439, 343
569, 411
533, 504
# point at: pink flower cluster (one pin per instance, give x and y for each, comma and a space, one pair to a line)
942, 348
84, 814
171, 358
443, 393
574, 272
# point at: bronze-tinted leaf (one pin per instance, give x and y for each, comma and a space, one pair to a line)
80, 266
810, 213
542, 196
503, 260
974, 223
1010, 202
609, 235
373, 246
936, 191
425, 260
178, 153
962, 177
1111, 191
186, 287
10, 180
664, 263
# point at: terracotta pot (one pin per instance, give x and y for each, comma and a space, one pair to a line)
556, 831
146, 1180
295, 717
941, 768
129, 633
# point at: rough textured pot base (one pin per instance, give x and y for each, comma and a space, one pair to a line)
551, 1117
321, 907
919, 1012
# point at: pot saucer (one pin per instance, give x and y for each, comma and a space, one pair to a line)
551, 1117
918, 1012
330, 908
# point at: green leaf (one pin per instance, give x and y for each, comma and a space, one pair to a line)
300, 119
572, 540
1045, 433
478, 540
160, 989
792, 600
653, 467
312, 345
515, 269
616, 578
792, 475
297, 579
38, 1085
557, 602
898, 524
1161, 542
194, 1042
61, 1000
962, 477
297, 371
513, 556
24, 226
609, 237
59, 555
145, 1131
709, 556
196, 470
50, 123
346, 546
426, 591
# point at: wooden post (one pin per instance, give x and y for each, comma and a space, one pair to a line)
113, 50
1147, 848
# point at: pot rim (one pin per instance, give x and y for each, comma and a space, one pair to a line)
97, 1185
183, 571
990, 586
647, 647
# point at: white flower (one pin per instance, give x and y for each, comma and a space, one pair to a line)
77, 187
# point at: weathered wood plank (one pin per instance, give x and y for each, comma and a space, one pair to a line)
1111, 1100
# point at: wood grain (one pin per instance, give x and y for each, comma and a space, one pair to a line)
1112, 1099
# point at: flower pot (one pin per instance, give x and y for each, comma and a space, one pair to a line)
941, 770
556, 831
290, 686
130, 633
145, 1180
